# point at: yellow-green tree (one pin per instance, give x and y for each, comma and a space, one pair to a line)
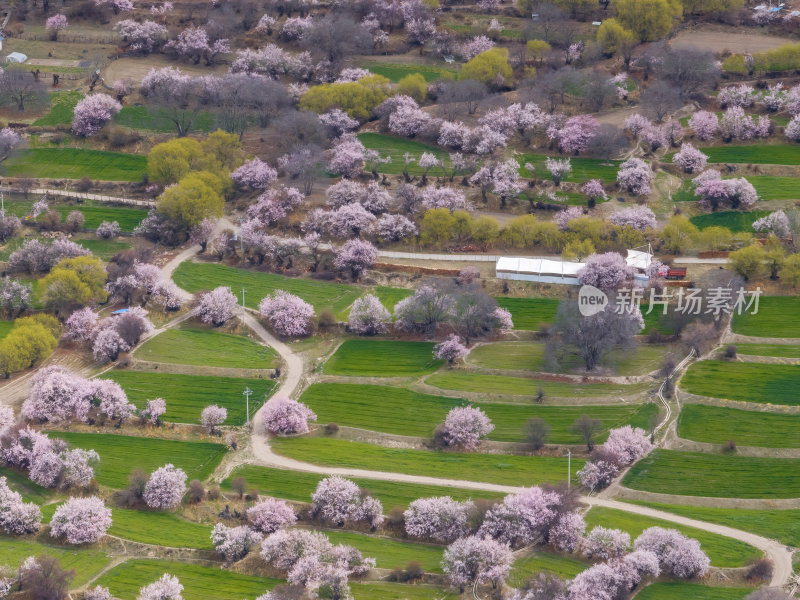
356, 98
436, 226
73, 282
170, 161
225, 148
577, 250
190, 201
790, 273
485, 230
704, 7
614, 38
490, 67
31, 340
749, 262
462, 228
413, 85
649, 20
90, 270
537, 50
679, 234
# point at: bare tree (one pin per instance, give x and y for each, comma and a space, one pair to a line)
598, 90
536, 432
690, 69
700, 336
587, 428
336, 36
551, 88
293, 128
454, 97
770, 593
660, 99
46, 580
609, 141
549, 20
20, 88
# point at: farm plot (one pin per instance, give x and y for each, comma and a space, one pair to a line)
121, 454
723, 551
529, 313
62, 107
717, 425
779, 350
188, 395
582, 168
396, 147
775, 188
783, 525
105, 249
154, 119
396, 71
672, 590
776, 317
74, 163
87, 563
757, 154
541, 561
376, 408
730, 219
297, 486
128, 218
381, 358
715, 475
490, 468
30, 491
206, 347
747, 382
390, 296
195, 277
523, 386
390, 553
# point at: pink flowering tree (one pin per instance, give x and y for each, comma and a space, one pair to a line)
57, 395
194, 44
776, 223
473, 558
564, 217
81, 520
736, 95
522, 518
393, 228
356, 256
593, 190
92, 113
270, 515
80, 326
217, 306
602, 543
107, 345
735, 124
451, 349
635, 177
154, 410
284, 416
475, 46
98, 593
233, 543
677, 554
347, 156
577, 132
7, 419
338, 122
464, 428
108, 230
630, 443
349, 221
558, 168
165, 488
690, 159
640, 218
287, 314
567, 532
792, 129
202, 233
167, 587
55, 24
339, 500
212, 417
714, 192
705, 124
368, 316
255, 174
444, 197
440, 519
408, 121
17, 517
605, 271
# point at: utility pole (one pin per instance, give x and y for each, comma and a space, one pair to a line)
569, 469
246, 393
243, 309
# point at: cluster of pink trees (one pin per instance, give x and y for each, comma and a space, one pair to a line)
167, 587
193, 44
440, 519
141, 37
776, 223
714, 192
476, 558
606, 271
635, 176
288, 315
143, 283
735, 124
81, 520
15, 296
217, 306
451, 349
255, 174
355, 256
690, 159
284, 416
92, 113
736, 95
594, 191
16, 516
602, 543
624, 446
576, 133
447, 197
107, 230
338, 500
653, 135
234, 543
117, 333
640, 218
613, 579
677, 554
270, 515
368, 316
564, 217
36, 256
165, 488
464, 427
705, 124
55, 24
154, 410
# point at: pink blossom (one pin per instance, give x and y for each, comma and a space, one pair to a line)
233, 542
522, 518
677, 554
270, 515
217, 306
287, 314
605, 271
17, 517
294, 28
776, 223
451, 349
112, 399
602, 543
704, 124
464, 427
108, 230
564, 217
483, 140
475, 46
80, 326
254, 174
92, 113
57, 395
715, 192
503, 318
284, 416
355, 255
593, 189
81, 520
193, 43
408, 121
558, 168
735, 124
440, 519
690, 159
635, 177
154, 410
213, 416
339, 500
577, 132
107, 345
55, 23
567, 532
349, 220
77, 467
474, 558
338, 121
444, 197
167, 587
347, 156
640, 218
792, 130
368, 316
631, 443
736, 95
265, 24
165, 488
393, 228
98, 592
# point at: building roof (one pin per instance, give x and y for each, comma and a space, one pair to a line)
16, 57
538, 266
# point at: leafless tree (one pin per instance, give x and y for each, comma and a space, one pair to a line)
598, 90
454, 97
20, 88
337, 36
587, 428
46, 580
294, 128
536, 432
660, 99
700, 336
608, 142
691, 70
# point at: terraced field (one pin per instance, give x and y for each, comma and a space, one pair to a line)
542, 561
761, 154
779, 350
675, 590
396, 148
464, 381
380, 358
391, 553
731, 219
747, 382
529, 313
86, 562
716, 425
582, 168
776, 317
74, 163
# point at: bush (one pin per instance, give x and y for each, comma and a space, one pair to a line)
331, 428
730, 446
196, 491
760, 570
730, 351
239, 485
84, 184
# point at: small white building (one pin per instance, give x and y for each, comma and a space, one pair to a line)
16, 57
556, 270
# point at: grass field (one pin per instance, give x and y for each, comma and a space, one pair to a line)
74, 163
680, 590
565, 567
206, 347
465, 381
770, 187
188, 395
396, 147
389, 296
731, 219
583, 169
717, 425
390, 553
105, 249
529, 313
490, 468
128, 218
757, 154
714, 475
297, 486
396, 72
530, 356
120, 454
779, 350
782, 525
376, 408
30, 491
62, 107
748, 382
194, 277
723, 551
381, 358
153, 119
776, 318
87, 563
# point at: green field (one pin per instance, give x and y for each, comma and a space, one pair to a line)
776, 317
715, 475
731, 219
723, 551
153, 119
94, 212
747, 382
62, 107
396, 147
87, 563
382, 358
297, 486
195, 277
465, 381
376, 408
121, 454
390, 553
770, 187
389, 296
105, 249
206, 347
679, 590
541, 561
188, 395
396, 72
74, 163
529, 313
583, 169
757, 154
490, 468
530, 356
779, 350
782, 525
30, 491
717, 425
